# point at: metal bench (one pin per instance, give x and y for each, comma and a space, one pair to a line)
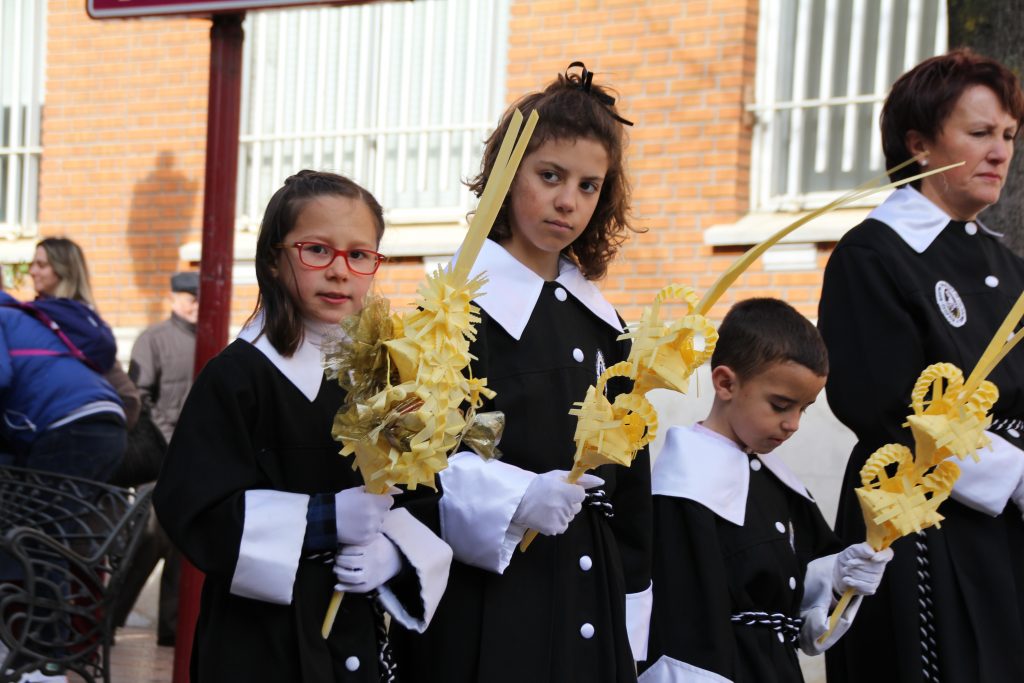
65, 544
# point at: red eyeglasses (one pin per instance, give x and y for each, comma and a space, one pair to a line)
319, 256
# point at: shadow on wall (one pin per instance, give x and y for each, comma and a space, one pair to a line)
163, 204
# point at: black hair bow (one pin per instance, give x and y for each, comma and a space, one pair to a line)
584, 83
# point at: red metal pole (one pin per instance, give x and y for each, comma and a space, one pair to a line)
223, 113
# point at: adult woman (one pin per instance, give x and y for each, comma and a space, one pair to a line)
59, 269
922, 281
96, 436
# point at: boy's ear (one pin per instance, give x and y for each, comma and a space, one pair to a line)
724, 381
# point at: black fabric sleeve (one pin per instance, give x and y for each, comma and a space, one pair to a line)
690, 621
861, 313
200, 495
632, 521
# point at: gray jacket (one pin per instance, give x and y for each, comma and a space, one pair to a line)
161, 367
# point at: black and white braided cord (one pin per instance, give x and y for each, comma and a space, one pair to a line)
1006, 425
789, 627
385, 658
598, 499
929, 645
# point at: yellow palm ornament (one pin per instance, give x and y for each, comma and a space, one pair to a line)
608, 432
409, 403
949, 420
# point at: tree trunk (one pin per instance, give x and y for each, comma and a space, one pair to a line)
995, 28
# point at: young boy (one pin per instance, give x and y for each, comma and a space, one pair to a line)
743, 565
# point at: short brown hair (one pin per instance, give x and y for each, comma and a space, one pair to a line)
924, 97
570, 109
282, 322
758, 332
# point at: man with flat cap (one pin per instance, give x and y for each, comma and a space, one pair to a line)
164, 354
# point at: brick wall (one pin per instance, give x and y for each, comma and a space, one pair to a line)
124, 134
123, 137
125, 124
682, 68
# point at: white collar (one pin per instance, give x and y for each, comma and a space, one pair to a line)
512, 289
304, 368
915, 218
782, 472
697, 464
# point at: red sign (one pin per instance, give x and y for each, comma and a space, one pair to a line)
119, 9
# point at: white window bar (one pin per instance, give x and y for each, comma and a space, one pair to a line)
22, 54
397, 96
824, 69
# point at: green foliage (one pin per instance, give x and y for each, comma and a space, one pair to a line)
14, 274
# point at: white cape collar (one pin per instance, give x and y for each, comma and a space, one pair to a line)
697, 464
512, 289
304, 368
915, 218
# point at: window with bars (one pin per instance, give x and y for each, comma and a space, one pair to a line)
397, 96
824, 68
22, 50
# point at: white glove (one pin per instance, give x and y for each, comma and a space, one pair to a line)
362, 568
359, 515
815, 624
859, 567
550, 502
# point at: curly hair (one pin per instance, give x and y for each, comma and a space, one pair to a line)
283, 323
571, 108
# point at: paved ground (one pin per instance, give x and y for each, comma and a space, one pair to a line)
137, 658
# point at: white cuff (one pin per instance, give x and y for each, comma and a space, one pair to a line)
430, 557
668, 670
480, 497
987, 485
638, 621
273, 529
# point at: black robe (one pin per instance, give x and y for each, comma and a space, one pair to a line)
246, 427
712, 575
887, 311
531, 622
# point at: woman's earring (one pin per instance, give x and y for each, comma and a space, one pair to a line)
922, 163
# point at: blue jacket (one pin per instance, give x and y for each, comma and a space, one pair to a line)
37, 391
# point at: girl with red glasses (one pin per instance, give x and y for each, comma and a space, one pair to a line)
253, 490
